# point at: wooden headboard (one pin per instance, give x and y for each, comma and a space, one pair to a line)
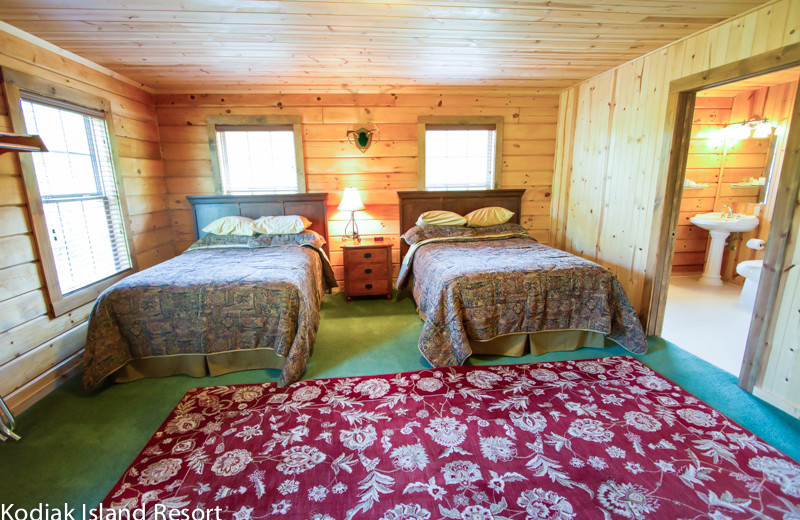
313, 206
413, 203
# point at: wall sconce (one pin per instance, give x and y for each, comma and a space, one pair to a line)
363, 138
351, 201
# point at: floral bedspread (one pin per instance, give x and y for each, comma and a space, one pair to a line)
574, 440
211, 300
487, 288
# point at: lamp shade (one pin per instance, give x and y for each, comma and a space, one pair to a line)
351, 200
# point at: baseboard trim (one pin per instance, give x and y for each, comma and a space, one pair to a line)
25, 396
777, 402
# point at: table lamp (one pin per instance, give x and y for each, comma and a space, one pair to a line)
351, 201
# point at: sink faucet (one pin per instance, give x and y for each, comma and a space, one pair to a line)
729, 213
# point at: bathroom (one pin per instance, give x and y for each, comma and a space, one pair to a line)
734, 161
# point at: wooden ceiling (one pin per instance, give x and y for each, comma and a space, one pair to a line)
224, 45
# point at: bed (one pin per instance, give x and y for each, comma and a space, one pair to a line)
497, 290
228, 303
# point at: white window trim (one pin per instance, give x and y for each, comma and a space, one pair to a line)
265, 123
13, 82
466, 121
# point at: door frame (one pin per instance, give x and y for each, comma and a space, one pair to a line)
675, 148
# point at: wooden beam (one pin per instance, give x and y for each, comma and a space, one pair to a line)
778, 59
667, 205
777, 258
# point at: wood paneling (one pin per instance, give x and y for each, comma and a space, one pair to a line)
748, 85
411, 60
709, 155
779, 380
720, 163
332, 164
774, 103
620, 146
32, 345
314, 45
618, 133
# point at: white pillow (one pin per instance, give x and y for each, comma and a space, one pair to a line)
490, 216
281, 225
231, 226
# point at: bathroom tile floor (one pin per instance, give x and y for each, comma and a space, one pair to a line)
707, 320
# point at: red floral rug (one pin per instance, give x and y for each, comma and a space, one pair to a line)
605, 438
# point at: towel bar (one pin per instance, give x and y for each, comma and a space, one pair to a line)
7, 423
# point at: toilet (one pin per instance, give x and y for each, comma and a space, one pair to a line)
751, 270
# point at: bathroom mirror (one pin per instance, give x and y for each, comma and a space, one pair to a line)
769, 168
746, 141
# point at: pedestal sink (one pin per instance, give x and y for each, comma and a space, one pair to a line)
719, 226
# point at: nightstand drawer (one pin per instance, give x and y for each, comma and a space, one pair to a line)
361, 270
364, 255
367, 270
367, 287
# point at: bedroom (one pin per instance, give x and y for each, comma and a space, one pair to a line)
559, 119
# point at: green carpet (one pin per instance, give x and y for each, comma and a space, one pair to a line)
75, 446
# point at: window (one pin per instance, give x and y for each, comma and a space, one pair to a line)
78, 192
460, 154
257, 158
76, 206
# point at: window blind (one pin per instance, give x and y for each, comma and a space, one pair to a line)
79, 193
459, 158
257, 160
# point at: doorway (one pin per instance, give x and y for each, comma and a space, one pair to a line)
732, 170
766, 340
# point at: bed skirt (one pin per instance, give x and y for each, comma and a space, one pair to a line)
538, 343
198, 365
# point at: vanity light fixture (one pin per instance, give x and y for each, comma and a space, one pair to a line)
763, 129
756, 127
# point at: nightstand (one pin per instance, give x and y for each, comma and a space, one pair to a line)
367, 270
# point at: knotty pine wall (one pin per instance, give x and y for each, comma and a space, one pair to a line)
35, 350
609, 158
332, 164
710, 116
774, 104
719, 165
